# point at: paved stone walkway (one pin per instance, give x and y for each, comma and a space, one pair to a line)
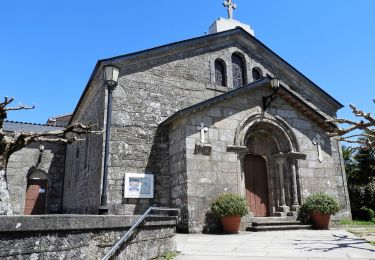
297, 244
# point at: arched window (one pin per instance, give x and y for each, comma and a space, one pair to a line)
257, 75
238, 71
220, 77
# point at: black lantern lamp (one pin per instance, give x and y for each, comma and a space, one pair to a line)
110, 76
110, 81
267, 100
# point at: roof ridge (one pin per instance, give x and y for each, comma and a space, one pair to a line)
29, 123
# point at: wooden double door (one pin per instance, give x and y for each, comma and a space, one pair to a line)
255, 168
36, 194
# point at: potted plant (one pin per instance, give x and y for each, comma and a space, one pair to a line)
229, 208
320, 207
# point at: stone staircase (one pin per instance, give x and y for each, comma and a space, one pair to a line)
274, 224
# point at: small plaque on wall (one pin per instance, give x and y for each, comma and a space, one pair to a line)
139, 185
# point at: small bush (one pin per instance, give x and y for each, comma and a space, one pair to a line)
364, 213
322, 203
229, 204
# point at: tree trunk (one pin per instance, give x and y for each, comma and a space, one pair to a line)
5, 205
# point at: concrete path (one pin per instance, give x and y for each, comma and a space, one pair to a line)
296, 244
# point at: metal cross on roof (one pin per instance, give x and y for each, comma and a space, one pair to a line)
231, 6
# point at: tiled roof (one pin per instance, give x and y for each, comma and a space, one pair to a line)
14, 126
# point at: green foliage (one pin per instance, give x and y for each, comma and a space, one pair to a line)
364, 213
360, 171
347, 222
362, 195
348, 154
322, 203
229, 204
169, 256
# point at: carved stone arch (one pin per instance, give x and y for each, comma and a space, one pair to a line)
267, 121
269, 136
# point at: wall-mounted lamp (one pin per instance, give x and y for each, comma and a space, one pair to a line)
267, 100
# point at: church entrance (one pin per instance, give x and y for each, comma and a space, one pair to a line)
36, 193
256, 185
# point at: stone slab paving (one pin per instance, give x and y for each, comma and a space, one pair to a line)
294, 244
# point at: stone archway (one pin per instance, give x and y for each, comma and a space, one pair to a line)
271, 138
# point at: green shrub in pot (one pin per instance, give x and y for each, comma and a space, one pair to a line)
320, 206
229, 208
229, 204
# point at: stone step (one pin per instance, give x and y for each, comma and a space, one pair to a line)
271, 219
277, 228
275, 223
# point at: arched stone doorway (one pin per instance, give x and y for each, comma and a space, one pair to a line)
36, 193
270, 174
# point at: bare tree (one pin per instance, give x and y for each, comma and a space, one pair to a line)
366, 125
12, 142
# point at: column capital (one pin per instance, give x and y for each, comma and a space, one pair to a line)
280, 158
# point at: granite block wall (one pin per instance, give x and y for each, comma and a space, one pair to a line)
153, 86
23, 162
84, 237
83, 164
221, 171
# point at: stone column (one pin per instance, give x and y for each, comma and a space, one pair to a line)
241, 152
280, 160
295, 204
293, 157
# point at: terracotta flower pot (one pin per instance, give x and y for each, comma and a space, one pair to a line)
231, 224
319, 220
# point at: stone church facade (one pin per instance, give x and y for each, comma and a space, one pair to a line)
192, 113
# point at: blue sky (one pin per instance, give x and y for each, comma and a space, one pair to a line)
48, 49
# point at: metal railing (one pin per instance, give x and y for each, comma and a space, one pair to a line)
135, 225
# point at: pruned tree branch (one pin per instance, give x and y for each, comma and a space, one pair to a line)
12, 142
6, 102
366, 124
19, 107
4, 109
66, 135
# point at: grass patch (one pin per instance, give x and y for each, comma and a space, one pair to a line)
357, 222
169, 256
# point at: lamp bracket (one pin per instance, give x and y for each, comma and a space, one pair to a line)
267, 100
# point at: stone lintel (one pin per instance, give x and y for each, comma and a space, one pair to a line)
204, 149
297, 156
237, 149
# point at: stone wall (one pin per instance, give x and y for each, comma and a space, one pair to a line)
83, 165
22, 163
178, 174
83, 237
208, 175
145, 98
153, 85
